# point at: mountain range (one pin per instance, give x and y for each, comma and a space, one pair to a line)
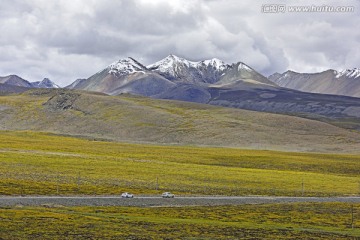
178, 74
171, 78
214, 82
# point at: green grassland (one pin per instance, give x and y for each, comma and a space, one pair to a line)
48, 164
270, 221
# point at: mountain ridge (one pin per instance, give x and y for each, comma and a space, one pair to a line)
345, 82
214, 82
15, 80
172, 68
45, 83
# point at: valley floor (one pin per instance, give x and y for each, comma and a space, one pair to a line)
46, 164
34, 164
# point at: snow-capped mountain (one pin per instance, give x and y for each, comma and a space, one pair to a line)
346, 82
215, 63
125, 67
45, 83
125, 76
184, 79
170, 65
203, 73
180, 69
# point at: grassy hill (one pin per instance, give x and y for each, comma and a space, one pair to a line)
138, 119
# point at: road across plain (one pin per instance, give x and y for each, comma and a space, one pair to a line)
154, 201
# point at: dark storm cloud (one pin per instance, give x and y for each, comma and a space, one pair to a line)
68, 39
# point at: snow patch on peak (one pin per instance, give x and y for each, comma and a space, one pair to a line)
176, 58
170, 61
177, 68
216, 63
243, 66
350, 73
126, 66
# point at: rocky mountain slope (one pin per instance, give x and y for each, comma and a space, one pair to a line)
15, 80
138, 119
6, 89
338, 110
345, 82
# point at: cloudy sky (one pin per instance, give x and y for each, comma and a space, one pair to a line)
69, 39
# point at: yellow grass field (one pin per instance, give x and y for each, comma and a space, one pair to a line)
45, 164
269, 221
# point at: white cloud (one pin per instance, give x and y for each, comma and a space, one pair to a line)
69, 39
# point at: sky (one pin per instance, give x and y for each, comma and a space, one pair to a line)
69, 39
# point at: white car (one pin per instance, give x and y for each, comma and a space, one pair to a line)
127, 195
168, 195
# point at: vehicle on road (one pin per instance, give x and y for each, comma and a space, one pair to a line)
127, 195
167, 195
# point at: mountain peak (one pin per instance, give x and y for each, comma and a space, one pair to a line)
168, 64
290, 71
177, 59
330, 81
216, 63
45, 83
243, 66
46, 80
126, 66
172, 56
15, 81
